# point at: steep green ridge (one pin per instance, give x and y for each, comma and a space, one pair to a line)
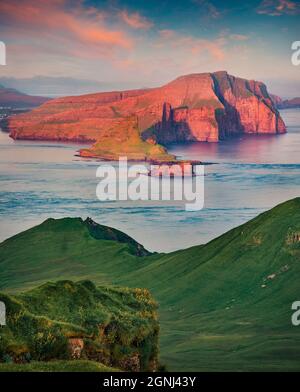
64, 320
67, 248
100, 232
223, 306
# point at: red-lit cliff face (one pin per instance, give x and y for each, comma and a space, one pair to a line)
248, 106
197, 107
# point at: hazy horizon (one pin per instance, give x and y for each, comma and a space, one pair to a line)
52, 87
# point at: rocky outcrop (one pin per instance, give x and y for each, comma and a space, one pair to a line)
100, 232
276, 100
198, 107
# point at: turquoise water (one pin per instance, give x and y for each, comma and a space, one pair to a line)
250, 175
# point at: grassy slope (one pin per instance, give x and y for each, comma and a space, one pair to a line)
57, 366
63, 249
216, 310
126, 142
116, 324
215, 314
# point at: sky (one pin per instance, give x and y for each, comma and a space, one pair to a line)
148, 43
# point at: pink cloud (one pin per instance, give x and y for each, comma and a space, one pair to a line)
167, 34
54, 20
135, 20
238, 37
278, 7
192, 45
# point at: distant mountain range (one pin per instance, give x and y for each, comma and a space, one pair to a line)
223, 306
10, 97
286, 103
50, 86
197, 107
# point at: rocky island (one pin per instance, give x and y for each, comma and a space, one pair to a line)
206, 107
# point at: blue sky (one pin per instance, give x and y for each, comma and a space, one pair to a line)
146, 43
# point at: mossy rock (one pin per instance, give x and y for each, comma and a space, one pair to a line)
66, 320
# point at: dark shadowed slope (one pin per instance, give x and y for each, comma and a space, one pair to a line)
10, 97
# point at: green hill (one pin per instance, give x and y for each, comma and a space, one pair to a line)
68, 248
65, 320
223, 306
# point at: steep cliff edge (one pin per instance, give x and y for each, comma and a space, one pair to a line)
198, 107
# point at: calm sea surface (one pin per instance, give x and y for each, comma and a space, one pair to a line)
251, 174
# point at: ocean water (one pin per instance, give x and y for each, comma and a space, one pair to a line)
248, 176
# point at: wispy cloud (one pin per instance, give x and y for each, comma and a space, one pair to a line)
209, 10
135, 20
112, 41
191, 45
279, 7
77, 25
238, 37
